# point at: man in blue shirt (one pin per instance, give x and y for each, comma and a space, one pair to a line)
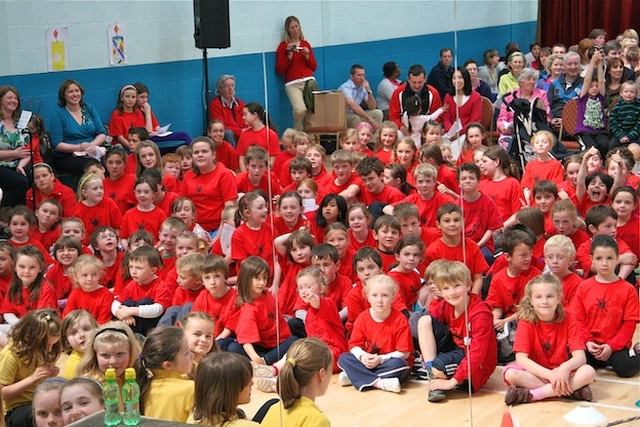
357, 91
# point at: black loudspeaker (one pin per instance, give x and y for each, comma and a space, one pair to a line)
211, 20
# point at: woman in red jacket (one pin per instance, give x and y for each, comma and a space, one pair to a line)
294, 59
227, 108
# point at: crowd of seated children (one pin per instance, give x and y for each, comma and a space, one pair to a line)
396, 226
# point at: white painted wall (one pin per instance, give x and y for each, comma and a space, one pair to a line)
162, 31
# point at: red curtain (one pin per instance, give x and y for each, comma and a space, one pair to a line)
569, 21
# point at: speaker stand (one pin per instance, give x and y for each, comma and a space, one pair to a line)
207, 90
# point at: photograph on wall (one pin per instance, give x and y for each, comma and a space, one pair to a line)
57, 41
116, 38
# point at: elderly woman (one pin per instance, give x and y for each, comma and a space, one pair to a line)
14, 153
509, 82
76, 129
227, 108
527, 90
295, 60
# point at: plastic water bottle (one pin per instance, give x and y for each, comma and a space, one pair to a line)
111, 393
131, 399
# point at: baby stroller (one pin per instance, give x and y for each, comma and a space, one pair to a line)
528, 118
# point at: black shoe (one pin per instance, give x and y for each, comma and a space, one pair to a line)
437, 395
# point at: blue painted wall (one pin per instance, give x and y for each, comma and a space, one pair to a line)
177, 88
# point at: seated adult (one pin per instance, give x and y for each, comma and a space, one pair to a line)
488, 72
554, 68
14, 155
527, 80
416, 85
440, 74
583, 51
387, 85
478, 85
509, 82
565, 88
75, 128
227, 108
145, 107
614, 77
356, 91
464, 103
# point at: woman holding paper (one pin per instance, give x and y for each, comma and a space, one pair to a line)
76, 130
294, 59
14, 152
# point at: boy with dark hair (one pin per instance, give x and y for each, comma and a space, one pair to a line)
255, 176
371, 171
450, 245
135, 137
409, 217
545, 194
386, 231
367, 263
481, 217
326, 258
445, 333
602, 220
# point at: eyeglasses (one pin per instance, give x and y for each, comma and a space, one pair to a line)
106, 236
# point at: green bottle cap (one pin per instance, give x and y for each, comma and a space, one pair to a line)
110, 374
130, 374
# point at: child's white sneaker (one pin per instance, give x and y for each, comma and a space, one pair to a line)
262, 371
390, 384
343, 379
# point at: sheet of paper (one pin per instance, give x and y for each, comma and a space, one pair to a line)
25, 116
225, 232
164, 130
455, 128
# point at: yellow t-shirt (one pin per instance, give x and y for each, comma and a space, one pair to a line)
170, 397
12, 370
71, 364
233, 423
303, 413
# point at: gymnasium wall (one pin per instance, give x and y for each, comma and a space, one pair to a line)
162, 54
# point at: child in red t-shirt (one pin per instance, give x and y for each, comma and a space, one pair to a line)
602, 220
564, 217
256, 175
387, 137
593, 188
404, 152
225, 153
93, 208
559, 254
457, 342
567, 188
481, 216
88, 293
300, 142
322, 319
337, 236
294, 250
325, 256
546, 336
289, 216
262, 333
624, 201
544, 167
606, 308
545, 194
188, 290
145, 215
332, 209
380, 342
218, 300
198, 327
118, 185
409, 218
507, 285
253, 235
29, 289
367, 263
450, 245
409, 251
298, 169
47, 229
7, 258
104, 242
74, 227
346, 182
316, 154
447, 180
371, 172
21, 221
65, 251
170, 229
145, 297
386, 231
258, 133
359, 218
185, 209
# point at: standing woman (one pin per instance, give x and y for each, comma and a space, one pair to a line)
14, 157
75, 127
294, 59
